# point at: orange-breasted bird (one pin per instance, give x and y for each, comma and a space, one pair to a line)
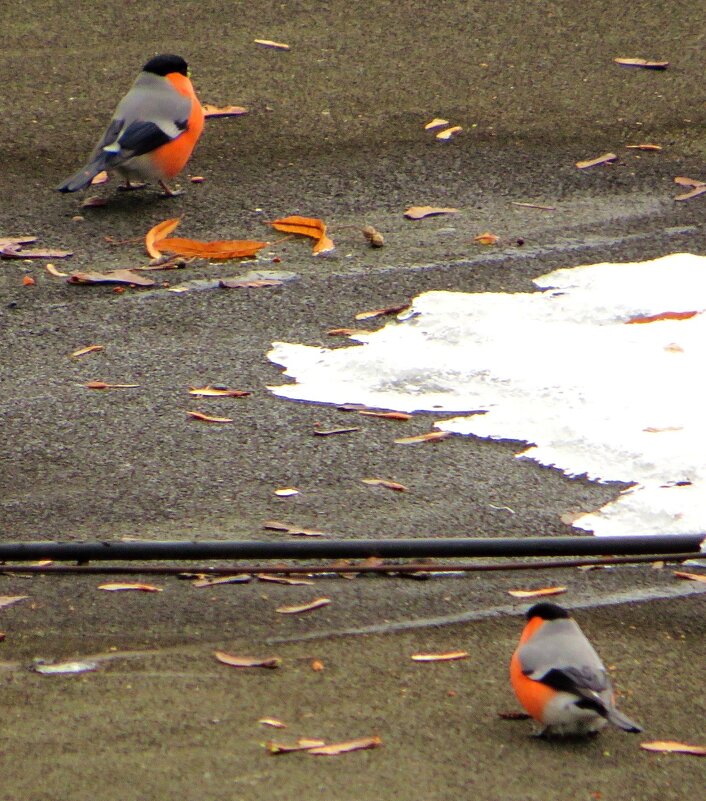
153, 131
559, 678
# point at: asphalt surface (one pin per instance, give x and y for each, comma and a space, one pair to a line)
334, 130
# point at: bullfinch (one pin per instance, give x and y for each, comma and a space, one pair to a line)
559, 678
153, 131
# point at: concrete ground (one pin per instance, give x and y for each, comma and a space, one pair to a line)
334, 130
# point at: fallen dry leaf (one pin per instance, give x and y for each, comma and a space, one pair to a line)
63, 668
382, 482
297, 531
273, 722
419, 212
606, 158
247, 661
270, 43
695, 192
644, 146
317, 603
7, 600
116, 586
208, 418
106, 385
87, 349
684, 181
248, 283
449, 133
668, 315
275, 579
101, 178
642, 62
16, 252
329, 432
376, 239
437, 122
387, 415
334, 749
93, 202
51, 269
16, 241
286, 492
311, 227
217, 392
486, 238
157, 233
690, 576
112, 277
213, 581
450, 656
317, 665
217, 250
346, 332
396, 309
430, 436
197, 179
210, 110
537, 593
674, 747
302, 744
532, 205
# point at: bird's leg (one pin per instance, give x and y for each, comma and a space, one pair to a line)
128, 186
170, 192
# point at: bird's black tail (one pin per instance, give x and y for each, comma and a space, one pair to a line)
84, 176
622, 721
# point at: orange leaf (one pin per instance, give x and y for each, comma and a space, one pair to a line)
247, 661
105, 385
270, 43
668, 315
671, 746
606, 158
115, 586
690, 576
276, 724
27, 280
448, 133
437, 122
306, 226
222, 111
361, 744
302, 744
87, 349
317, 603
157, 233
430, 436
642, 62
450, 656
486, 239
101, 178
382, 482
419, 212
537, 593
324, 245
317, 665
396, 309
387, 415
207, 418
218, 249
644, 146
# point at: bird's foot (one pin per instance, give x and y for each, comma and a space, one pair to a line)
170, 192
129, 187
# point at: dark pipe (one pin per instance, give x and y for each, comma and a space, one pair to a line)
342, 549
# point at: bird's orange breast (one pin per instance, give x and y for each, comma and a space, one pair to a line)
171, 158
533, 695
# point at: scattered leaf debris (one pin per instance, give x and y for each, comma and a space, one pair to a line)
286, 492
644, 146
674, 747
105, 385
655, 318
248, 283
403, 416
430, 436
217, 392
209, 110
346, 332
532, 205
112, 277
117, 586
419, 212
606, 158
296, 531
63, 668
208, 418
334, 749
437, 122
329, 432
288, 580
86, 350
486, 238
537, 593
214, 581
93, 202
310, 227
642, 62
376, 239
8, 600
273, 723
690, 576
101, 178
157, 233
302, 744
383, 482
449, 656
449, 133
158, 241
396, 309
697, 187
274, 45
52, 270
297, 609
232, 660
